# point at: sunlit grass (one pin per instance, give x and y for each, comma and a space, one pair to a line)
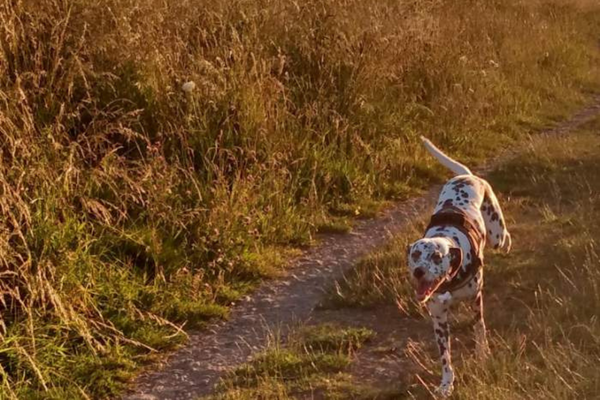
541, 300
311, 361
135, 203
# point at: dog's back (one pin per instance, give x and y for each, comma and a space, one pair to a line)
474, 196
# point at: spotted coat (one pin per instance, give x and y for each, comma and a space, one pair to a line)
432, 257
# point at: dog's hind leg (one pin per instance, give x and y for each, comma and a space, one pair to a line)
482, 347
495, 225
438, 309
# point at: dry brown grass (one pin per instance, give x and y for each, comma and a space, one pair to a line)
129, 205
541, 299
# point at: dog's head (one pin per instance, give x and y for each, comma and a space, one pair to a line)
431, 261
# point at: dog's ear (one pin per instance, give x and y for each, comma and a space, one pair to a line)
456, 257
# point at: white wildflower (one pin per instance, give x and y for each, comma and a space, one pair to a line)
189, 86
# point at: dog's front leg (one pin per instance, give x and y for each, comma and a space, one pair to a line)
438, 309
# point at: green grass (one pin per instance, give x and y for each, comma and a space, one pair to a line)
311, 361
379, 278
541, 299
131, 209
340, 225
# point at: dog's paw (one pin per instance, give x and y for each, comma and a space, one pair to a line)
444, 390
506, 242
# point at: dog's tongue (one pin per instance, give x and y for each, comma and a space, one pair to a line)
423, 288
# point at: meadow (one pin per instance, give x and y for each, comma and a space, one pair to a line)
541, 300
133, 210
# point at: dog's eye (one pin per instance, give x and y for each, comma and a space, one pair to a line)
436, 258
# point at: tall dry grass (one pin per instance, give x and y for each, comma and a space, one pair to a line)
541, 300
546, 336
130, 206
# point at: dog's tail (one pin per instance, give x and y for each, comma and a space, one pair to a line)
446, 161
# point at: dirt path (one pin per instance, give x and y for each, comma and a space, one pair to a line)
195, 369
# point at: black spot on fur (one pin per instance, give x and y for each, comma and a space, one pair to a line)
442, 347
416, 255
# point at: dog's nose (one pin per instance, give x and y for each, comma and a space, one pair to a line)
418, 272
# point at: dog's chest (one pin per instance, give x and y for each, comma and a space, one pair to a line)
467, 282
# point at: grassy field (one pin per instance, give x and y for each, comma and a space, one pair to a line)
132, 208
308, 362
541, 300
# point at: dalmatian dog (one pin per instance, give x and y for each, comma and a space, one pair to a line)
446, 265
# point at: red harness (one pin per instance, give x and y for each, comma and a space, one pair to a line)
456, 218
